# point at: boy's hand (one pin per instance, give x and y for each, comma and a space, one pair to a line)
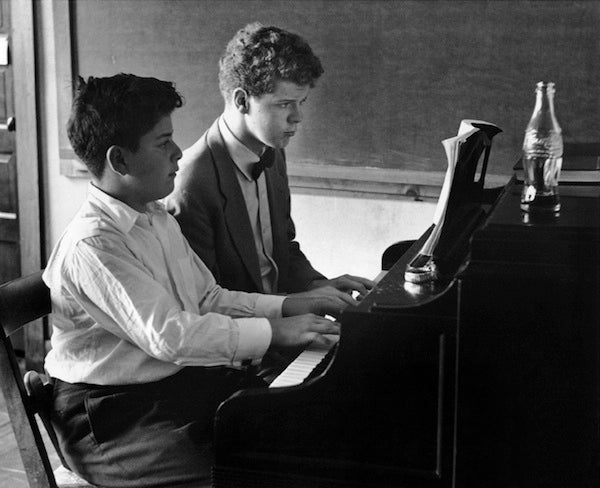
302, 330
325, 291
326, 303
345, 283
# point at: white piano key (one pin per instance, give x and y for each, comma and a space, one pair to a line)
298, 370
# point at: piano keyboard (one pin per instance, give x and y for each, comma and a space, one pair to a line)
312, 361
309, 363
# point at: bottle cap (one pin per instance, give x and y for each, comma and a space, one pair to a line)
548, 86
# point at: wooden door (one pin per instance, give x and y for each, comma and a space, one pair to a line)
20, 213
9, 224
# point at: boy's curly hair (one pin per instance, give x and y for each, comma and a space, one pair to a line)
116, 110
257, 57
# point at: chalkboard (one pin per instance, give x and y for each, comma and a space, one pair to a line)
399, 75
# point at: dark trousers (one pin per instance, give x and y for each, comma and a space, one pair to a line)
150, 435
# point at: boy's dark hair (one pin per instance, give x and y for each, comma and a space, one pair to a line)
116, 110
258, 56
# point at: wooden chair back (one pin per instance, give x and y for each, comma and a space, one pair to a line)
22, 302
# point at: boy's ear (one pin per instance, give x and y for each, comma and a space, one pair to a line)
240, 100
116, 161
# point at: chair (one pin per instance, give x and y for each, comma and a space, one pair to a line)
22, 301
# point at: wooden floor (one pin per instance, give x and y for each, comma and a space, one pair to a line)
12, 474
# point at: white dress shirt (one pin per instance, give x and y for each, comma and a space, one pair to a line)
132, 303
257, 204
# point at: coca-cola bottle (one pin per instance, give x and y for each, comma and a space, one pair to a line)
542, 154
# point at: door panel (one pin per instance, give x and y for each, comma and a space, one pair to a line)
9, 225
10, 256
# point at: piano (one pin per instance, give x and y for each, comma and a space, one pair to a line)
486, 377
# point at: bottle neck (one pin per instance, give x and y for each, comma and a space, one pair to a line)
543, 117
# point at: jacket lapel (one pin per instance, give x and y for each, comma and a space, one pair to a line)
234, 206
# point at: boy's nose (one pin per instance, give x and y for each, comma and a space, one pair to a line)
177, 152
296, 115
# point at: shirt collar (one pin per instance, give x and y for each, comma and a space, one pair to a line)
243, 157
122, 214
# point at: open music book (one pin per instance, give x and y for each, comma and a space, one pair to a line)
462, 152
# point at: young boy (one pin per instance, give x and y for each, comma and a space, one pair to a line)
145, 344
234, 211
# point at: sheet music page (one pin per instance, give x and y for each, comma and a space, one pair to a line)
452, 148
423, 267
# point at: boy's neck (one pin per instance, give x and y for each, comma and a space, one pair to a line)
119, 193
237, 125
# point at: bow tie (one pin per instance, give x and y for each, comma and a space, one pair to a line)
266, 161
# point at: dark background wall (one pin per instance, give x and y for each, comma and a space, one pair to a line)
399, 75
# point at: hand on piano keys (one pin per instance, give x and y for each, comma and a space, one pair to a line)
326, 300
315, 358
356, 286
301, 330
317, 355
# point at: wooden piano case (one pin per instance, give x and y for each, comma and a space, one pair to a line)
486, 378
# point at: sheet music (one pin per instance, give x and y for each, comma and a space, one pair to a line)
423, 267
452, 149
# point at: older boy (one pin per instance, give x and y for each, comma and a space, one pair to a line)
145, 344
231, 197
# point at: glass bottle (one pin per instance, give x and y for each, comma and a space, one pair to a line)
542, 154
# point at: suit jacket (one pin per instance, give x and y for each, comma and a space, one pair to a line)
208, 203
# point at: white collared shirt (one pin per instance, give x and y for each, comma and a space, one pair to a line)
257, 204
132, 303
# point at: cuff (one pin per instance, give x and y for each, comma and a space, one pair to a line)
268, 306
254, 338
